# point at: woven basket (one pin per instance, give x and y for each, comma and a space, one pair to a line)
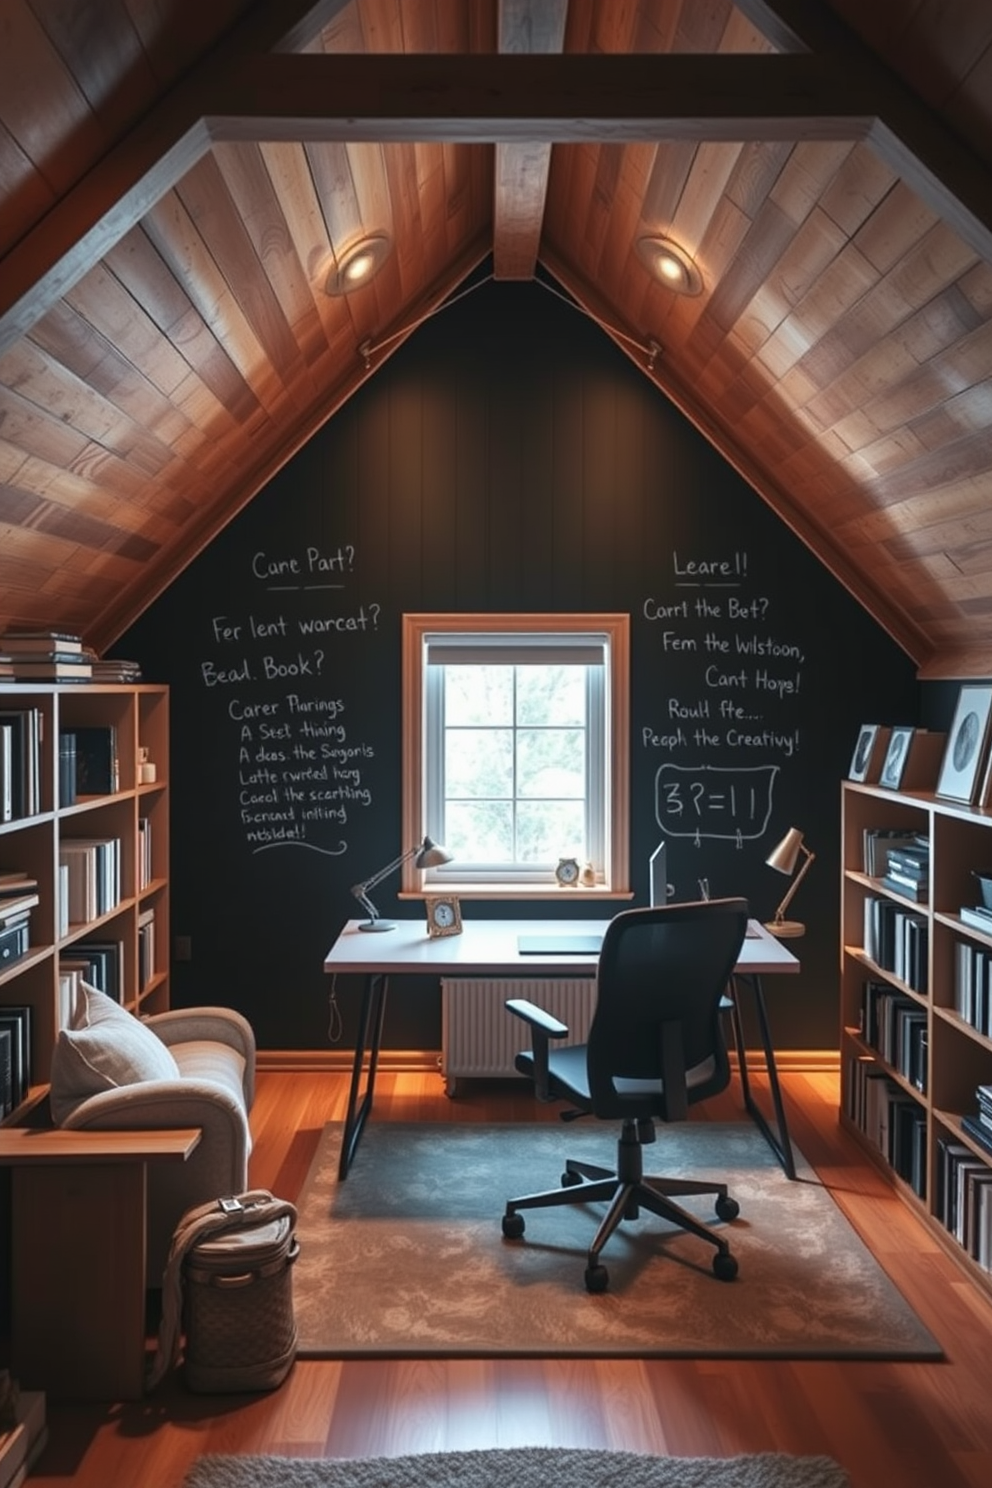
238, 1308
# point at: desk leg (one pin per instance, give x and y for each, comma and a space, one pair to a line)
370, 1020
779, 1140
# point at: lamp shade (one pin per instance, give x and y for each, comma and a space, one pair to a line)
784, 857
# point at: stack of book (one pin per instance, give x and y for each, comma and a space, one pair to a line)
979, 1125
18, 896
907, 870
46, 656
114, 669
878, 842
978, 916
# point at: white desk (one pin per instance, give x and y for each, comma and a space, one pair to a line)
488, 948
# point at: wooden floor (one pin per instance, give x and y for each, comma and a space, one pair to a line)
910, 1425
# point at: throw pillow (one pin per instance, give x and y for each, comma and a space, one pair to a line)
107, 1047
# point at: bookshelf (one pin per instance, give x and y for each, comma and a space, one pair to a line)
131, 913
916, 1045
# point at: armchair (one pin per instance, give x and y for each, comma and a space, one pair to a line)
655, 1047
191, 1067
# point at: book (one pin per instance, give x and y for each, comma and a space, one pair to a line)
6, 1073
14, 943
919, 892
977, 1131
97, 765
18, 1019
54, 670
17, 639
977, 917
67, 768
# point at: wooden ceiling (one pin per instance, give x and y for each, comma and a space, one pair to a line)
178, 179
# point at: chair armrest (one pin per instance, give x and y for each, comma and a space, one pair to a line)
543, 1028
159, 1105
221, 1024
537, 1017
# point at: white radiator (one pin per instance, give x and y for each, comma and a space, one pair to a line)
479, 1038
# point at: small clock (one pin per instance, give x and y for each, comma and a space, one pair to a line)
567, 872
444, 915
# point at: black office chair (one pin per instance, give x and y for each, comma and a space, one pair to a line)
654, 1048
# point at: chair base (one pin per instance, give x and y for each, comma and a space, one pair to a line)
627, 1191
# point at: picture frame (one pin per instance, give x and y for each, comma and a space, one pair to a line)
864, 749
967, 739
896, 756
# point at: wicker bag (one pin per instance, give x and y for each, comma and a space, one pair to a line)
229, 1279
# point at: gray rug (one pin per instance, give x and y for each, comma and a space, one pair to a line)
521, 1467
407, 1257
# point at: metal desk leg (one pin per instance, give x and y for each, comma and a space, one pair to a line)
370, 1020
779, 1140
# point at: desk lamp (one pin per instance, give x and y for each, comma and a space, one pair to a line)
783, 859
426, 854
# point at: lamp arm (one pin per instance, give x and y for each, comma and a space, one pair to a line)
362, 888
780, 912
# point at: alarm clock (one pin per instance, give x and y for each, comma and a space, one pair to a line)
567, 872
444, 915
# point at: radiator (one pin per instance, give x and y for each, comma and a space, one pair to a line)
479, 1038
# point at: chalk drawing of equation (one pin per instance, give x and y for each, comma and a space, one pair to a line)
712, 801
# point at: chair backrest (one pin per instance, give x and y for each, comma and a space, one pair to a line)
662, 974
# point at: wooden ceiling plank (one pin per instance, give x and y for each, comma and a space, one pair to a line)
520, 173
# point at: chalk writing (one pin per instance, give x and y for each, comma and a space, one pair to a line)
729, 684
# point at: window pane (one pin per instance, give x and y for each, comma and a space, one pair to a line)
478, 763
551, 694
478, 694
549, 830
479, 831
551, 762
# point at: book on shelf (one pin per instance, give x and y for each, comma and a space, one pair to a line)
94, 876
977, 1131
915, 889
877, 842
97, 763
111, 669
25, 760
16, 906
101, 963
6, 1073
146, 947
18, 1020
977, 917
52, 669
17, 638
6, 773
14, 943
67, 767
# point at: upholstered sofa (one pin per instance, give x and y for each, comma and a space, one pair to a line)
192, 1067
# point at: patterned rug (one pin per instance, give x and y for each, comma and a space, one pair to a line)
407, 1256
523, 1467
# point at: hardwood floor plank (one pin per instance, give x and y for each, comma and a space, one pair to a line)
917, 1425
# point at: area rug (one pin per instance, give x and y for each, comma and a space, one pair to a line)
406, 1256
521, 1467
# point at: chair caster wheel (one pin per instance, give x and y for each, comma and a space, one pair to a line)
724, 1266
513, 1226
597, 1278
727, 1208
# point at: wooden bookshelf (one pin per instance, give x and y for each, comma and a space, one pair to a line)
134, 815
957, 1057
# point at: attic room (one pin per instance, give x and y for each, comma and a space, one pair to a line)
322, 321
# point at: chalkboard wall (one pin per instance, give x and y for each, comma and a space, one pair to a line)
507, 458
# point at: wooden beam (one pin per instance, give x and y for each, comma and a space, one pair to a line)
90, 219
520, 184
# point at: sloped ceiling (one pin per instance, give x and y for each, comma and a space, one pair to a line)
178, 179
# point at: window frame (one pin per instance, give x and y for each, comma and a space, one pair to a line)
616, 628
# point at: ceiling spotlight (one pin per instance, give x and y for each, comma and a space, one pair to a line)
357, 264
671, 265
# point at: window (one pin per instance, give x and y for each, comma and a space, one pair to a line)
515, 747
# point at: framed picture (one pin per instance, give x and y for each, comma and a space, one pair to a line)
895, 757
863, 752
966, 740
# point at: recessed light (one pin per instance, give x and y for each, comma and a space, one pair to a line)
671, 265
358, 263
